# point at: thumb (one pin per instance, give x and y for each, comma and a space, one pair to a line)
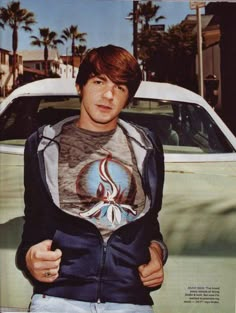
153, 255
46, 245
154, 263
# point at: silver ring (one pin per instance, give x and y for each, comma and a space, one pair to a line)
47, 274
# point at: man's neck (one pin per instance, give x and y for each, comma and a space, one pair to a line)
93, 126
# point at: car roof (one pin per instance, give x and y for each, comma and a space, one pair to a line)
61, 86
168, 92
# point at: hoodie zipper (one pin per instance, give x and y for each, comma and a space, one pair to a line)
103, 258
104, 248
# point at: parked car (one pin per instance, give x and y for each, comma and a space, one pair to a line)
198, 216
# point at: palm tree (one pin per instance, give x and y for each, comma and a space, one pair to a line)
147, 12
80, 50
16, 17
73, 34
133, 16
47, 39
144, 36
182, 46
147, 37
147, 42
175, 55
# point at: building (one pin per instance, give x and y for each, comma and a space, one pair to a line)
210, 55
6, 77
31, 66
34, 64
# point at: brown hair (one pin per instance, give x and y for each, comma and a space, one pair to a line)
114, 62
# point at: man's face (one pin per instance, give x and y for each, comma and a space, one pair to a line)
102, 101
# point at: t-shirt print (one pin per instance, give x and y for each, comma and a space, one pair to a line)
109, 188
98, 178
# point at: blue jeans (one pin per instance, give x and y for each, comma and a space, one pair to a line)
41, 303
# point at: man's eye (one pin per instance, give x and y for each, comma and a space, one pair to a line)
121, 88
98, 81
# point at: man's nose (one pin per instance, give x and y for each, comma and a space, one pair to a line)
109, 92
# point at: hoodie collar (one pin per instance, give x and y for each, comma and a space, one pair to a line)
51, 133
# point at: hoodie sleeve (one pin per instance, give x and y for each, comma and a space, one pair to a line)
158, 176
35, 227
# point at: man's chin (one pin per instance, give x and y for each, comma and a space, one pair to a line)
104, 120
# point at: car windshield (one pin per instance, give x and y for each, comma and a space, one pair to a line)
182, 127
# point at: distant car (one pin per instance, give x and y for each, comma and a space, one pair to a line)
198, 216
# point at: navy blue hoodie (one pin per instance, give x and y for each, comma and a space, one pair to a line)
91, 270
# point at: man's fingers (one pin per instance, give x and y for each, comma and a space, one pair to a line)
48, 275
49, 272
149, 269
153, 280
155, 276
152, 284
48, 255
43, 263
47, 244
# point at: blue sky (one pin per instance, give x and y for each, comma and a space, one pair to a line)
103, 20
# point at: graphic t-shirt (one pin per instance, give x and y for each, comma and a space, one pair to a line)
98, 178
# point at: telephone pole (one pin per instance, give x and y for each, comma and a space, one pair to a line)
197, 5
135, 29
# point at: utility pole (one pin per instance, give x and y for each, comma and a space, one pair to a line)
199, 45
197, 5
135, 28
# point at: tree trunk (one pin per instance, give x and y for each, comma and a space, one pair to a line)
135, 28
72, 59
14, 49
46, 60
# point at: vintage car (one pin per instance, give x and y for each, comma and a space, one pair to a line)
198, 217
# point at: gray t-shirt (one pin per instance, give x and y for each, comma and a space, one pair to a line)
98, 178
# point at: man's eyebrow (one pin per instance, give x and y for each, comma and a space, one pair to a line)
100, 76
104, 78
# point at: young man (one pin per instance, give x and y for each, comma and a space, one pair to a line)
93, 190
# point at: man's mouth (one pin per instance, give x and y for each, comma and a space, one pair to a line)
104, 107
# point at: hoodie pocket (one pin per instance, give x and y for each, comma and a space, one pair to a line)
81, 255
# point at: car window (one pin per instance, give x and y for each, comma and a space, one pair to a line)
54, 109
25, 114
181, 127
18, 121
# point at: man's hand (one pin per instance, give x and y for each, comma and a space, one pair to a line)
43, 263
152, 274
